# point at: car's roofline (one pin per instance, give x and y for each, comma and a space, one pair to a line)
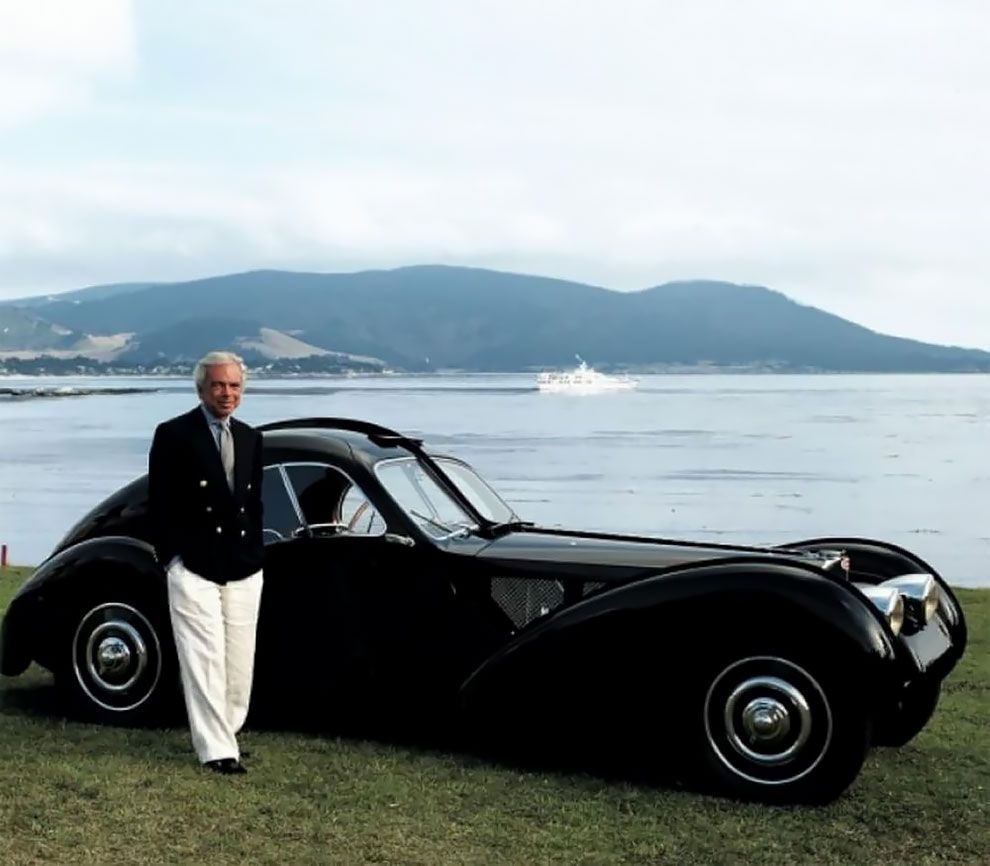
366, 442
375, 432
372, 442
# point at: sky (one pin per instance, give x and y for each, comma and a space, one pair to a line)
835, 152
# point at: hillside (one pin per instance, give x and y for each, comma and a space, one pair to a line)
433, 317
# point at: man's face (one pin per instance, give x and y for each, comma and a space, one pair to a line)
221, 391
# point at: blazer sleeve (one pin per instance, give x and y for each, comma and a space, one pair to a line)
163, 495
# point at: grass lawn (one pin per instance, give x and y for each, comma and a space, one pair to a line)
75, 793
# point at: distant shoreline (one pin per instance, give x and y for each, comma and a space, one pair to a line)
686, 370
28, 393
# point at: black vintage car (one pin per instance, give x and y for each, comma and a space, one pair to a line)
402, 593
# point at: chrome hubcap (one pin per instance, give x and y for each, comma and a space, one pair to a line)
759, 715
112, 656
767, 720
116, 657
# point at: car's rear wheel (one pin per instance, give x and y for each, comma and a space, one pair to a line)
118, 660
781, 730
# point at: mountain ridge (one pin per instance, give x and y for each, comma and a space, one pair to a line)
425, 317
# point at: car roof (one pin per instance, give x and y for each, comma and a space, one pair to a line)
341, 437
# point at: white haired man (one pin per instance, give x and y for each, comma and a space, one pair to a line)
204, 478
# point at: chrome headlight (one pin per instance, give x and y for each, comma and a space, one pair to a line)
920, 593
889, 602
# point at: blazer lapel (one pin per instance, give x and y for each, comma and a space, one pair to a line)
242, 456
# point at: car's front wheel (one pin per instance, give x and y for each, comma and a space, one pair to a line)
780, 730
118, 661
914, 709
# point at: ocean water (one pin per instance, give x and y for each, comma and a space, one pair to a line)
731, 458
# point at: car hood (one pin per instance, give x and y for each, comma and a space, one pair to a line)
620, 557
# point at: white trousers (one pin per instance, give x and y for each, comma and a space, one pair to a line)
215, 627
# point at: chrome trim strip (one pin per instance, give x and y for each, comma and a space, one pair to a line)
292, 493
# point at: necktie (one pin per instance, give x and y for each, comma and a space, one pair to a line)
227, 453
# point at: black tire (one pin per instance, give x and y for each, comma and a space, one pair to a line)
903, 723
781, 730
117, 660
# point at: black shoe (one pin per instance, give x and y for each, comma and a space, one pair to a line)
226, 766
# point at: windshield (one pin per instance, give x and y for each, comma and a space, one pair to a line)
434, 510
476, 491
426, 502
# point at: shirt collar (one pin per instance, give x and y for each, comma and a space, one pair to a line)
212, 419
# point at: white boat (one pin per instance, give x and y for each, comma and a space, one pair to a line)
582, 380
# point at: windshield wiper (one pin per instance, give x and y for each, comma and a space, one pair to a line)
497, 529
452, 531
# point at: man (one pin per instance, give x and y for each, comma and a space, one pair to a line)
205, 500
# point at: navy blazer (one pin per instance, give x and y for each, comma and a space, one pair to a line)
194, 514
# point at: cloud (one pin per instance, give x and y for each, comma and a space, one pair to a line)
832, 152
168, 221
54, 53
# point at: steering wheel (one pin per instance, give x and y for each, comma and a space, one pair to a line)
357, 515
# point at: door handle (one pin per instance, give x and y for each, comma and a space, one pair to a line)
404, 540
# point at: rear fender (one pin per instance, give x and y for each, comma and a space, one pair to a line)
658, 632
39, 607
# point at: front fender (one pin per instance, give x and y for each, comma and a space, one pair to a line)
871, 559
666, 626
34, 614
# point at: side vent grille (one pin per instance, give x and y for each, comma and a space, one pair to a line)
525, 600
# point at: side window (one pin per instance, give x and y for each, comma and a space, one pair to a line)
327, 496
319, 490
280, 515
